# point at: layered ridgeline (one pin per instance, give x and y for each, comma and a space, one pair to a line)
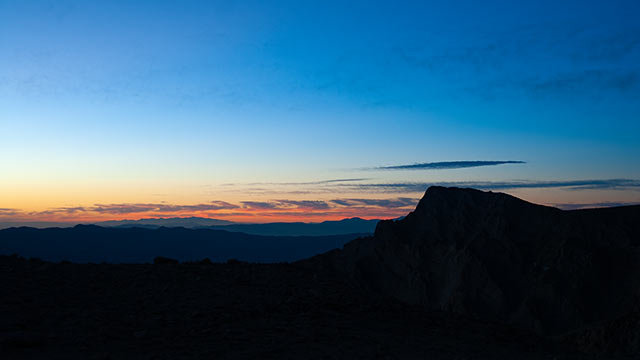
340, 227
91, 243
495, 257
325, 228
184, 239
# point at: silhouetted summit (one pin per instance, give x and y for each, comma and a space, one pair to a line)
495, 257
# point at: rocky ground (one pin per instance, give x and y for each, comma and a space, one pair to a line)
232, 310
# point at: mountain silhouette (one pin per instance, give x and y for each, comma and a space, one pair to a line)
325, 228
91, 243
187, 222
495, 257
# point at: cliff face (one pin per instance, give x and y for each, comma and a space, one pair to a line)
495, 257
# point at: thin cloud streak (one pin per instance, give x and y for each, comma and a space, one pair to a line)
420, 187
446, 165
333, 207
118, 209
385, 203
273, 208
622, 81
412, 187
133, 208
262, 205
590, 52
319, 182
606, 204
8, 212
306, 204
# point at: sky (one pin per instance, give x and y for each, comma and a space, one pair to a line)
260, 111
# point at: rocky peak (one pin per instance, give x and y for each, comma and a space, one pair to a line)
496, 257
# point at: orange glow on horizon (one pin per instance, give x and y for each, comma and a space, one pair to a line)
237, 215
247, 208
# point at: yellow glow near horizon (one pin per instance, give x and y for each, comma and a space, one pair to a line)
85, 202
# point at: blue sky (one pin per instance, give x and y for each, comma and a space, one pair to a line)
165, 101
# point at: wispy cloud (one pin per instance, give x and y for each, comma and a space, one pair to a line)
578, 80
306, 204
118, 209
444, 165
317, 205
133, 208
319, 182
576, 206
300, 205
593, 60
400, 202
418, 187
7, 212
412, 187
331, 207
261, 205
283, 208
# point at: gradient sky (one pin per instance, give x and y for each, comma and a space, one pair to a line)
251, 111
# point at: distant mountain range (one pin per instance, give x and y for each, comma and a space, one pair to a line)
187, 222
152, 223
325, 228
91, 243
35, 224
345, 226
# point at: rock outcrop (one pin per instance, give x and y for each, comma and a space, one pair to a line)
495, 257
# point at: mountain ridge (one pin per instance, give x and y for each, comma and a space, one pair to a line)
495, 257
96, 244
189, 221
324, 228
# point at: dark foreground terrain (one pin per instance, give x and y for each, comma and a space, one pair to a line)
467, 275
229, 311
